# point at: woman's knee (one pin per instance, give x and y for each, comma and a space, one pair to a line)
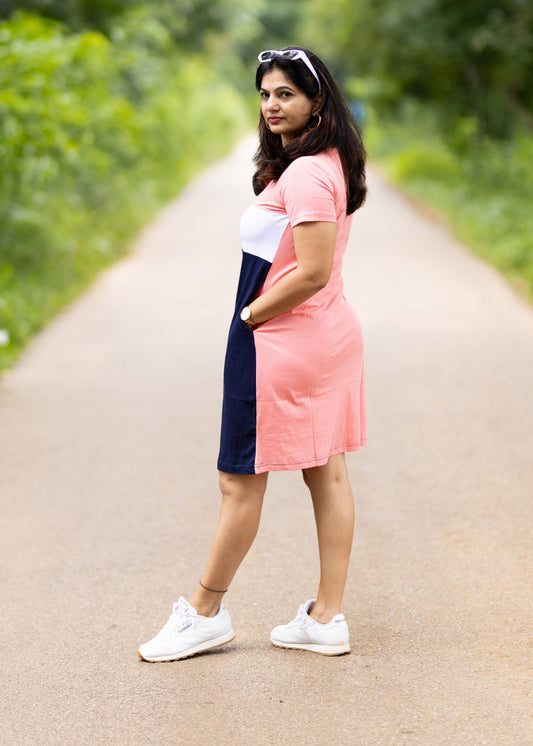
332, 472
242, 486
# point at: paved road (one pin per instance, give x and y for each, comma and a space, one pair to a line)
108, 441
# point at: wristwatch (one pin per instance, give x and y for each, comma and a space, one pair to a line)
246, 315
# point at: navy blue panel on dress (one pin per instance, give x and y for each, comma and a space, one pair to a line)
238, 433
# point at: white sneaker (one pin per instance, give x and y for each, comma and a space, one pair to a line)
187, 633
304, 633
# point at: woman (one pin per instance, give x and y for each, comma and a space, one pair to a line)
293, 377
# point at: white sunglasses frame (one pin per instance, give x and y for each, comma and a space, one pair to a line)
290, 54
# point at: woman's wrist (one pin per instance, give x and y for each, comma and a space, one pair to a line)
247, 316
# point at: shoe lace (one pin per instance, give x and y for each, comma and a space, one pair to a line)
178, 621
302, 617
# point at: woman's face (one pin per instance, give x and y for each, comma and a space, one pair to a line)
285, 107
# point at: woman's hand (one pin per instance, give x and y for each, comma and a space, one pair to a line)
314, 245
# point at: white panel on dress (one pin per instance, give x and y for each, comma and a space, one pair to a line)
261, 232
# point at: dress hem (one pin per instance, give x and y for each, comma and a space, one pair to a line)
292, 466
309, 463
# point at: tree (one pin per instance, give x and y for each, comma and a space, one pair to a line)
473, 58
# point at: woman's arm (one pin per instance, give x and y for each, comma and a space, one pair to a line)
314, 245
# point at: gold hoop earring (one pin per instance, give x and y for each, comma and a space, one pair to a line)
317, 125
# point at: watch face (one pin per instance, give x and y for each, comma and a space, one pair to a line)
245, 313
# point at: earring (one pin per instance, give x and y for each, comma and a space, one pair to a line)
317, 125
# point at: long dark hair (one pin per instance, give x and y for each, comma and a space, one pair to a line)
338, 129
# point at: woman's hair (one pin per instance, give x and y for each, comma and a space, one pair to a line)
338, 129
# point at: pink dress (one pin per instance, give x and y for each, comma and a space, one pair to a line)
294, 386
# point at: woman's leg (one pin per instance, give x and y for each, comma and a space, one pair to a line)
242, 500
334, 515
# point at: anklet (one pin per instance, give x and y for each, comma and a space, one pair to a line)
210, 589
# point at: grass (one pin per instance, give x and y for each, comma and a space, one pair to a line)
483, 188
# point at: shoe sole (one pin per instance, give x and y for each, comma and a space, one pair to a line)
208, 645
314, 648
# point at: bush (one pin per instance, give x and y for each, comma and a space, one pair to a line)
483, 187
95, 134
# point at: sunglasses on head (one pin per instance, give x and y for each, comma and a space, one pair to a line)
289, 54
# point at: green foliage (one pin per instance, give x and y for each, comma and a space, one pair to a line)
75, 13
469, 59
277, 26
96, 132
189, 22
485, 191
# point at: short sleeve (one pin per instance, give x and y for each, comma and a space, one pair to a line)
308, 191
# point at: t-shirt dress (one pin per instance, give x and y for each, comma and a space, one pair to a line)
294, 385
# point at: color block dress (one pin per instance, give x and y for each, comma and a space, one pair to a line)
294, 385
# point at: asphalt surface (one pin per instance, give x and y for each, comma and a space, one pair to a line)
108, 441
